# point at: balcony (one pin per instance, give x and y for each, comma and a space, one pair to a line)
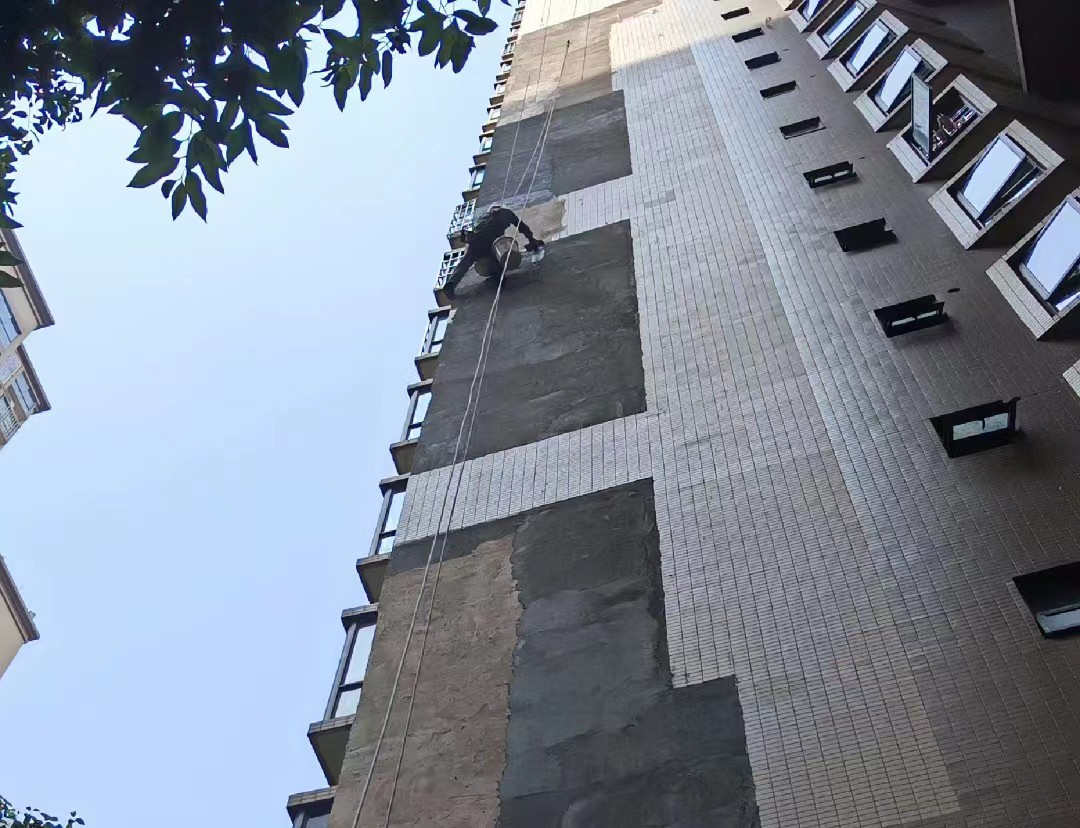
428, 358
450, 260
330, 737
403, 451
311, 809
372, 567
464, 216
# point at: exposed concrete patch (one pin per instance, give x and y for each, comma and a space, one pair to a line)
455, 750
597, 736
587, 144
565, 353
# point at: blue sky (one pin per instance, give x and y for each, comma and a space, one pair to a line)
185, 521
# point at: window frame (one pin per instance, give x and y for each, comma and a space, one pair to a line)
431, 338
848, 57
391, 487
905, 92
945, 425
837, 19
821, 4
312, 810
7, 319
416, 391
1035, 590
911, 315
1072, 202
361, 618
21, 386
1008, 193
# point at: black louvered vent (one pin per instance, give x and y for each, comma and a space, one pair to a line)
864, 236
747, 35
801, 127
830, 174
912, 315
779, 89
762, 60
736, 13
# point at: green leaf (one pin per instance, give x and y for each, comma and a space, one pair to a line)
229, 113
211, 173
193, 186
460, 52
429, 39
445, 47
170, 124
387, 68
249, 141
153, 173
272, 130
484, 6
234, 145
8, 223
9, 281
332, 8
367, 72
179, 201
480, 25
8, 259
270, 105
343, 82
166, 187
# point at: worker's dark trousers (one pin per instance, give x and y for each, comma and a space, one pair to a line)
474, 252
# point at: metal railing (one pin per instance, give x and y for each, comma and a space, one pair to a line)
464, 216
450, 260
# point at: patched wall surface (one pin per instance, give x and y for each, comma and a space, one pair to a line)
566, 352
816, 543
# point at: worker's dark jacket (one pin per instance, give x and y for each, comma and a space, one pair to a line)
493, 224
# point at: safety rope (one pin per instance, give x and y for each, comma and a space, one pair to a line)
457, 468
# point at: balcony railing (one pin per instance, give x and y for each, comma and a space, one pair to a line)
9, 423
464, 216
450, 260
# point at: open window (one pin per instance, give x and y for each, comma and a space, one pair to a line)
978, 428
810, 8
831, 174
762, 60
895, 86
1053, 596
874, 41
801, 127
1001, 176
843, 22
393, 492
912, 315
352, 667
438, 321
476, 175
865, 236
1050, 263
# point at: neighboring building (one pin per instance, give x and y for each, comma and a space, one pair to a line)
16, 621
771, 511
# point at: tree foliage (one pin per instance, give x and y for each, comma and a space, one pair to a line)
203, 81
11, 817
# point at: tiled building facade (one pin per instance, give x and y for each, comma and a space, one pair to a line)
711, 560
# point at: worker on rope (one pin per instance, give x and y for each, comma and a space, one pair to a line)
481, 240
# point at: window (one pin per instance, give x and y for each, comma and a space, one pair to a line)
9, 423
845, 21
736, 13
9, 328
25, 394
477, 177
1051, 261
999, 178
494, 113
485, 143
462, 218
831, 174
747, 35
436, 331
809, 8
864, 236
762, 60
870, 45
801, 127
450, 260
978, 428
500, 88
1053, 596
504, 67
313, 815
353, 666
393, 499
779, 89
891, 90
913, 315
419, 400
508, 49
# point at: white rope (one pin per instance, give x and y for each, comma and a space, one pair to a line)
474, 391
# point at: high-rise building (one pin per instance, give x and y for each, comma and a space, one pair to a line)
22, 310
754, 500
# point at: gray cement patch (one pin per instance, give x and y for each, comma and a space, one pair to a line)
566, 350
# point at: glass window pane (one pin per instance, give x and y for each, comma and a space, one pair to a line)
25, 394
838, 29
989, 175
9, 328
868, 46
393, 514
320, 821
347, 702
385, 545
996, 422
358, 657
896, 81
810, 8
1057, 249
423, 400
439, 334
967, 429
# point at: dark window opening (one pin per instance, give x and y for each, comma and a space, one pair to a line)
1050, 262
894, 88
801, 127
1053, 596
864, 236
313, 815
762, 60
779, 89
419, 402
1000, 178
393, 491
840, 26
912, 315
875, 41
978, 428
747, 35
938, 124
831, 174
352, 667
736, 13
